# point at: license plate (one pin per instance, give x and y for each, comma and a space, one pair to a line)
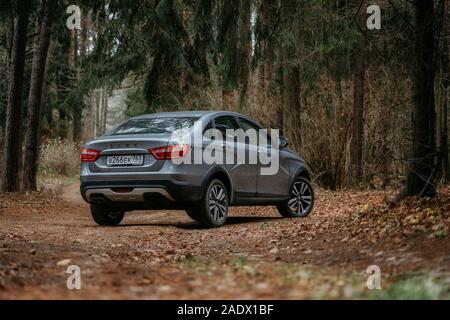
132, 160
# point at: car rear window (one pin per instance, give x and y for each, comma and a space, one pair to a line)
153, 126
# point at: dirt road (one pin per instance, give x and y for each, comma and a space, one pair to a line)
257, 254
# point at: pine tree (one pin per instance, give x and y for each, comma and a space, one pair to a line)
290, 20
13, 130
421, 172
35, 96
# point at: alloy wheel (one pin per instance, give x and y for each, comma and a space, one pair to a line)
217, 203
301, 199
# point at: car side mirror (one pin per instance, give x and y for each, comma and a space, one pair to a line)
283, 142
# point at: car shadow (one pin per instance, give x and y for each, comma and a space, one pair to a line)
193, 225
252, 219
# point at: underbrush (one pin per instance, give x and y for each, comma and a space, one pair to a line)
371, 215
58, 161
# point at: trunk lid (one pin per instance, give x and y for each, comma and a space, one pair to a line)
123, 145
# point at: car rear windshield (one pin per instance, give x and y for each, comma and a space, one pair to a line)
153, 126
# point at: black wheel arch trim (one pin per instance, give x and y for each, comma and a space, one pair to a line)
211, 172
301, 171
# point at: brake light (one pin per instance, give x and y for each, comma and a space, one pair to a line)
89, 155
170, 152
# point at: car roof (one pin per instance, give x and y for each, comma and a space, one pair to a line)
178, 114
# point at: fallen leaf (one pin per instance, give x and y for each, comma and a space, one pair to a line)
63, 263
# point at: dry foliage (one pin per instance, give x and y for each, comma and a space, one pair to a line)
59, 157
257, 254
326, 124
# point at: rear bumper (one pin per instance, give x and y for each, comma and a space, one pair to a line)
142, 194
127, 194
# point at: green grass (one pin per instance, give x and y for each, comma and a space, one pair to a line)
239, 261
416, 288
71, 180
198, 263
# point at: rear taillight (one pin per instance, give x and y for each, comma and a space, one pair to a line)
89, 155
170, 152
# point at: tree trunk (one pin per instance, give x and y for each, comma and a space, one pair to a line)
291, 99
420, 179
13, 133
266, 69
291, 76
446, 96
104, 110
95, 108
46, 87
87, 115
76, 124
34, 99
245, 51
356, 144
76, 108
267, 49
99, 112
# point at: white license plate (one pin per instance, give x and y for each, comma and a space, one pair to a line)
132, 160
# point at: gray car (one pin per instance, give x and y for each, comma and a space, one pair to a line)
163, 161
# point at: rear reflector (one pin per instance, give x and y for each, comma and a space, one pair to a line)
89, 155
170, 152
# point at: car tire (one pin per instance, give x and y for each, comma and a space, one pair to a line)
212, 211
104, 216
301, 202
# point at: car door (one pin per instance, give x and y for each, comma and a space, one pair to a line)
273, 185
242, 173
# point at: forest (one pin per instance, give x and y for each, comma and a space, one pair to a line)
361, 88
366, 108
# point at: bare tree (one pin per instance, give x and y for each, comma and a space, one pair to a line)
356, 145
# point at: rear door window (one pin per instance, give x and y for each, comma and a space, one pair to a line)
225, 123
245, 124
